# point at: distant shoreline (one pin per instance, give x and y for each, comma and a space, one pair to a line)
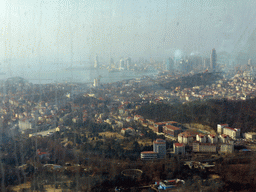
77, 76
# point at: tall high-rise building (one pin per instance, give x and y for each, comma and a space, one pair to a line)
121, 67
111, 63
96, 82
206, 63
213, 60
169, 64
96, 62
183, 65
159, 147
128, 62
250, 62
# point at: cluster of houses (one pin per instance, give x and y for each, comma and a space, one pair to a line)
169, 128
222, 142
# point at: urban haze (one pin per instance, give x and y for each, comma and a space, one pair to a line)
127, 95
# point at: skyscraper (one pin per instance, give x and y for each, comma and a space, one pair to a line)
111, 63
250, 62
121, 67
213, 60
128, 62
96, 62
169, 64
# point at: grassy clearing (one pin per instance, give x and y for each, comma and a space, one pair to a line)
200, 127
145, 142
111, 134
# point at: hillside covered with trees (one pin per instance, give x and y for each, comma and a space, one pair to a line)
240, 114
191, 81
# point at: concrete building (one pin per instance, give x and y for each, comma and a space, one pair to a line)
227, 148
121, 65
232, 132
223, 138
137, 117
159, 146
204, 147
250, 62
96, 82
158, 127
220, 128
250, 135
212, 139
171, 130
127, 131
178, 148
148, 155
25, 124
127, 64
169, 64
213, 60
201, 138
96, 62
187, 137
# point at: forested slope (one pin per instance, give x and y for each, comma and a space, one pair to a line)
240, 114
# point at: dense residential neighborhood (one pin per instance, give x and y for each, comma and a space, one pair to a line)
62, 126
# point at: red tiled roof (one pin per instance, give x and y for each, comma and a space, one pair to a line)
172, 127
160, 123
188, 134
224, 135
178, 144
230, 128
201, 135
172, 122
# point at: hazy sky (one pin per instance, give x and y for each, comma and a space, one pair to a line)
65, 30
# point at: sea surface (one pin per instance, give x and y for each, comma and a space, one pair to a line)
75, 75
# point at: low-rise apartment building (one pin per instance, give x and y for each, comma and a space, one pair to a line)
148, 155
250, 135
201, 138
179, 148
171, 130
204, 147
232, 132
212, 138
227, 148
187, 137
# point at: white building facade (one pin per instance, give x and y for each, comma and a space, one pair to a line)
148, 155
179, 148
